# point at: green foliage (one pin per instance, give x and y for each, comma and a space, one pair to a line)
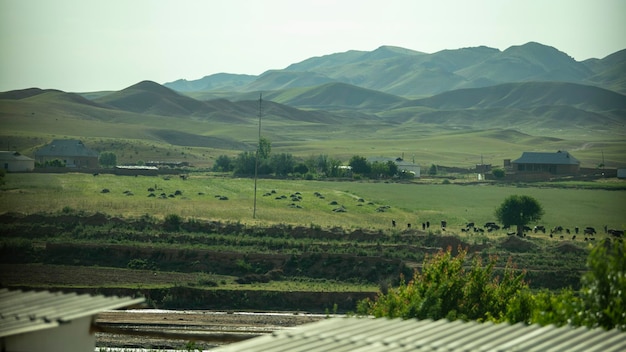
604, 286
520, 211
172, 222
282, 164
446, 289
498, 173
108, 159
432, 171
360, 165
223, 163
265, 148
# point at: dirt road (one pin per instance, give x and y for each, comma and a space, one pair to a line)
173, 329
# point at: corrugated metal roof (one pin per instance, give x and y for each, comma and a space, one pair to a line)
26, 311
367, 334
560, 158
66, 147
9, 156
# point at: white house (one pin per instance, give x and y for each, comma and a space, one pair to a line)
52, 321
16, 162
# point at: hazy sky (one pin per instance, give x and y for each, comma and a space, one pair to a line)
90, 45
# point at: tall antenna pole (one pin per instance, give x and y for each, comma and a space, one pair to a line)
256, 159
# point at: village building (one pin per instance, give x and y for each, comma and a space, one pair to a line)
16, 162
53, 321
72, 152
558, 163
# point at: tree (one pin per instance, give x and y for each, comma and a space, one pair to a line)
498, 173
519, 211
265, 148
603, 290
244, 163
432, 171
282, 164
108, 159
360, 165
447, 288
223, 163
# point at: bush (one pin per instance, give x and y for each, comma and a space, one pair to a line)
172, 222
445, 289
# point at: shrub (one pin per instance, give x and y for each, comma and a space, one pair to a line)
445, 289
172, 222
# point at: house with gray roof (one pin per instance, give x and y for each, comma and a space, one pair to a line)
559, 163
16, 162
72, 152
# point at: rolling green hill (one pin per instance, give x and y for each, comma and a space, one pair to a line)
352, 103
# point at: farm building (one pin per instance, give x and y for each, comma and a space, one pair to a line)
72, 152
52, 321
16, 162
367, 334
559, 163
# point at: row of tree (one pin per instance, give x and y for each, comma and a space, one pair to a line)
284, 164
455, 287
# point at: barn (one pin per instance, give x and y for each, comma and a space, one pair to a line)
559, 163
16, 162
72, 152
53, 321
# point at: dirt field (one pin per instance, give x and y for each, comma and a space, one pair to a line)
169, 329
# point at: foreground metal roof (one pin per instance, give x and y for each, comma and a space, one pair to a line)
367, 334
27, 311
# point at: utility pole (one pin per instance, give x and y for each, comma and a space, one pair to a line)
256, 159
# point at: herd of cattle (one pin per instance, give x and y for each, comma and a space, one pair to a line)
588, 232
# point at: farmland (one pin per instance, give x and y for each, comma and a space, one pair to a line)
193, 249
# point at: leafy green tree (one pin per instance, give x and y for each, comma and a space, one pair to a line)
244, 163
445, 288
360, 165
108, 159
265, 148
603, 290
301, 168
282, 164
333, 168
519, 211
432, 171
223, 163
392, 168
498, 173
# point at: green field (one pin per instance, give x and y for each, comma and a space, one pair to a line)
414, 203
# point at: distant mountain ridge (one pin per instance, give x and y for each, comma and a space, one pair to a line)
412, 74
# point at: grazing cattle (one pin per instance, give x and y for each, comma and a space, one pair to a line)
393, 223
408, 225
469, 225
557, 229
590, 231
427, 224
96, 174
105, 190
616, 233
423, 226
574, 238
576, 229
178, 193
151, 189
444, 223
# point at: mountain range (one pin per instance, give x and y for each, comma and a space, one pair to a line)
412, 74
389, 92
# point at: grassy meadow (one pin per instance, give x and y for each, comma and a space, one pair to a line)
458, 202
